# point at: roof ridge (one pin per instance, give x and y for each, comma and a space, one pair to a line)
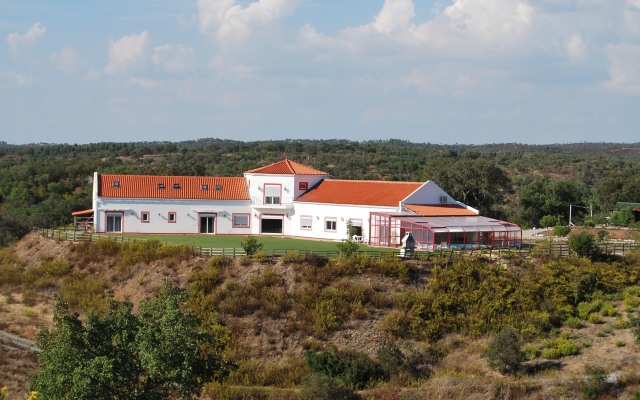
372, 181
174, 176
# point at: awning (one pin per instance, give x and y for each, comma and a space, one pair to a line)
83, 212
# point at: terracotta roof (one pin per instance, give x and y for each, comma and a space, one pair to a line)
369, 193
286, 167
440, 210
175, 187
82, 212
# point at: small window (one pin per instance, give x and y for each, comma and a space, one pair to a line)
205, 186
116, 183
305, 222
240, 220
176, 185
330, 224
144, 216
303, 185
160, 185
172, 217
218, 187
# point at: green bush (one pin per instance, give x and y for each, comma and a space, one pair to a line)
587, 308
348, 248
352, 368
573, 323
596, 382
560, 230
559, 347
608, 309
319, 386
391, 359
504, 353
595, 319
530, 351
251, 245
583, 243
549, 220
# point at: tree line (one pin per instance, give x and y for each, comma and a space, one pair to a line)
41, 184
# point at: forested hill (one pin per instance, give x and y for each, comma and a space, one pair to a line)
41, 184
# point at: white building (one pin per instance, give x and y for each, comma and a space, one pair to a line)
285, 198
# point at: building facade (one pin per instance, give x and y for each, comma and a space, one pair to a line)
285, 198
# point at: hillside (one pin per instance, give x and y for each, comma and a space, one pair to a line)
441, 316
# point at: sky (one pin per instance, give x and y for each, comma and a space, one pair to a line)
427, 71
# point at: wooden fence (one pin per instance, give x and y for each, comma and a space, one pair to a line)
557, 249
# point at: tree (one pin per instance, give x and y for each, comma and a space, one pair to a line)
504, 353
583, 243
549, 220
478, 182
160, 353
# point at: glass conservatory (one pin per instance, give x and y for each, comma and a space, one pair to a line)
435, 233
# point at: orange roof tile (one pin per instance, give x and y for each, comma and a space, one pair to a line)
286, 167
441, 210
82, 212
186, 187
369, 193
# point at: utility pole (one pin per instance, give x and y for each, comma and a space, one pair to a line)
590, 208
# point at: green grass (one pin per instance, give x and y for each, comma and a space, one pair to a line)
270, 243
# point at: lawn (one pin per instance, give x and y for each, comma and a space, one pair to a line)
222, 241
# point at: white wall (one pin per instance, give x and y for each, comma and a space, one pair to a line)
319, 213
429, 193
187, 215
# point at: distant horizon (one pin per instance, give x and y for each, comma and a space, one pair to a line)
433, 71
328, 139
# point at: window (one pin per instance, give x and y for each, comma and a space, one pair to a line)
144, 216
218, 188
114, 222
116, 183
303, 185
240, 220
176, 185
330, 224
305, 222
271, 194
205, 186
172, 217
160, 185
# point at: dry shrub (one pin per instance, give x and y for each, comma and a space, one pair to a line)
86, 292
284, 373
220, 391
264, 292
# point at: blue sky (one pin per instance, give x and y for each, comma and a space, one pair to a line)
438, 71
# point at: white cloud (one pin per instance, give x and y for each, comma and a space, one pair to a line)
144, 83
624, 68
10, 79
172, 57
230, 23
395, 14
465, 27
34, 33
576, 48
127, 52
67, 60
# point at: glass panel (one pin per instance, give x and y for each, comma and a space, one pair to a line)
305, 222
241, 220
